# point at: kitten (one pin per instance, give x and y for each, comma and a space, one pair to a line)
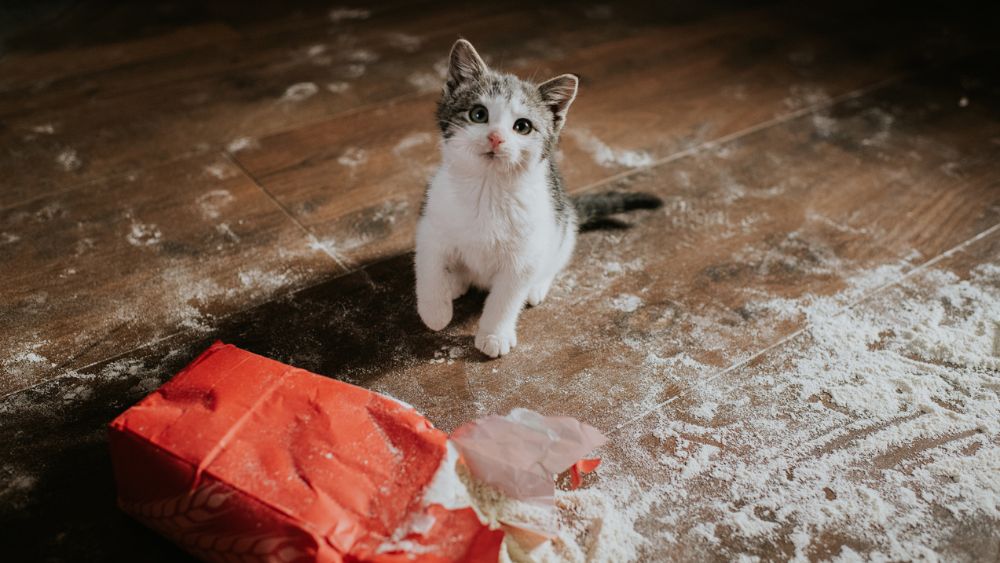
495, 214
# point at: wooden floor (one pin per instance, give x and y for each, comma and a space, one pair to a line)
174, 174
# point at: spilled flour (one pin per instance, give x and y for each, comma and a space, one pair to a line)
352, 157
338, 87
69, 160
241, 144
872, 435
607, 156
404, 41
585, 525
341, 14
590, 526
141, 234
220, 170
24, 358
424, 82
878, 428
430, 81
212, 202
299, 92
412, 141
626, 303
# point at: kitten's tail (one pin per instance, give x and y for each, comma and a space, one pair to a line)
593, 207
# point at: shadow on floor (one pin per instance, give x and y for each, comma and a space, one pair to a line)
59, 501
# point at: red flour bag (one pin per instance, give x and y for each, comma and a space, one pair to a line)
242, 458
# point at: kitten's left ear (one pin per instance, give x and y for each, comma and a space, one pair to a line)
558, 93
464, 63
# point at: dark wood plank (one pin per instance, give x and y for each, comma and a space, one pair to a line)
654, 92
92, 273
98, 43
207, 98
296, 39
28, 75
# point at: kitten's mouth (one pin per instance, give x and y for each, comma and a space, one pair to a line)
490, 154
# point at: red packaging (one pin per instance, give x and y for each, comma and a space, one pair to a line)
242, 458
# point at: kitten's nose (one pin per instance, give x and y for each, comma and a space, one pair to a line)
495, 139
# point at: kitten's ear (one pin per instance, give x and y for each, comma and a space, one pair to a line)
558, 93
464, 64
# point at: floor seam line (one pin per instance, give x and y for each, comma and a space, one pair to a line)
316, 243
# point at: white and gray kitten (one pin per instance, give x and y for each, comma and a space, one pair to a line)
496, 215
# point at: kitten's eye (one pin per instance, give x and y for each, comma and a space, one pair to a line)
522, 126
478, 114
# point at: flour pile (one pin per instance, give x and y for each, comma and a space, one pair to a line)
873, 435
589, 525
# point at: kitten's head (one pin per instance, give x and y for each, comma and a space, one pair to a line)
491, 120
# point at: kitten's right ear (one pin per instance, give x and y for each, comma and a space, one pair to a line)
559, 93
464, 64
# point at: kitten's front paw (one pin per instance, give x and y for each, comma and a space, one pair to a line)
435, 314
537, 294
459, 288
495, 345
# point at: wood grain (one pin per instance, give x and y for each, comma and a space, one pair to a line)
743, 226
657, 91
91, 274
161, 189
178, 102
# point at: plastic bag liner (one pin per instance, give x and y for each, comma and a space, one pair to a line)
242, 458
521, 452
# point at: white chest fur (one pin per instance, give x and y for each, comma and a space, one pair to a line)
498, 233
492, 224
